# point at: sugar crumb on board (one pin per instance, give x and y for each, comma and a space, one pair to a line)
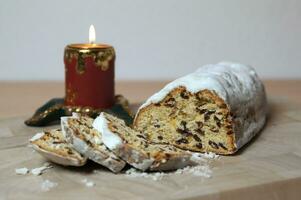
35, 171
47, 185
40, 170
22, 171
88, 183
202, 169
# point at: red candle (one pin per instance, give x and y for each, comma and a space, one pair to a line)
89, 74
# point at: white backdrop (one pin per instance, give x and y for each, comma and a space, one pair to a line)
154, 39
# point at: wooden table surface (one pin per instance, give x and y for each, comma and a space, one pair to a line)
268, 168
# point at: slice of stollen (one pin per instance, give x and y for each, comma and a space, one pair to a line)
136, 150
53, 146
88, 141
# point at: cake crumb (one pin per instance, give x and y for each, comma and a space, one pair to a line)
88, 183
210, 155
22, 171
40, 170
201, 158
199, 170
47, 185
133, 173
202, 168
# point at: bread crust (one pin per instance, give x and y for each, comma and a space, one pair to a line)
234, 88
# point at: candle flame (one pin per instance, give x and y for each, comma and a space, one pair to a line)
92, 35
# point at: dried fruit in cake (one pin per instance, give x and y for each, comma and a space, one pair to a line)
218, 108
88, 141
53, 146
136, 150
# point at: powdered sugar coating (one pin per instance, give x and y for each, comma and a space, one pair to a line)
37, 136
237, 84
111, 140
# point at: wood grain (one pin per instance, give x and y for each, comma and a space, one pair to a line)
268, 168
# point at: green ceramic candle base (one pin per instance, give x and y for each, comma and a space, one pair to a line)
51, 111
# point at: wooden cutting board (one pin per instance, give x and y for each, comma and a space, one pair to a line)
268, 168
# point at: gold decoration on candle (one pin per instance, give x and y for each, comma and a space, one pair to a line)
101, 56
70, 94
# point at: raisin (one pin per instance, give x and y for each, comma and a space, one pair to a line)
203, 99
184, 95
157, 126
229, 132
76, 132
182, 140
141, 136
206, 116
229, 126
167, 156
69, 151
57, 142
200, 131
197, 138
218, 121
213, 144
89, 143
160, 137
214, 129
200, 101
223, 106
222, 145
179, 130
170, 102
47, 133
199, 145
172, 113
183, 123
184, 132
157, 104
201, 111
200, 124
183, 129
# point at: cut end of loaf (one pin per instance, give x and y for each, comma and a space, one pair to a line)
52, 145
89, 142
198, 122
141, 153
